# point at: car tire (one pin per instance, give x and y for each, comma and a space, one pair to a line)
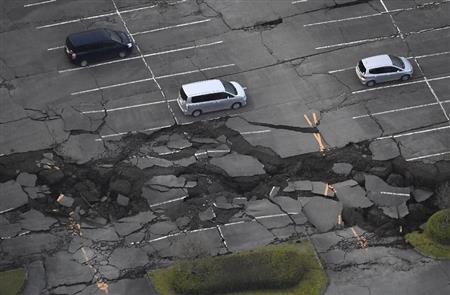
236, 105
84, 63
196, 113
122, 54
370, 83
405, 77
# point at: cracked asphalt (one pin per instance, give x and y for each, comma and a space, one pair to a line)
103, 178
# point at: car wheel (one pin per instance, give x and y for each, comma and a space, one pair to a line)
236, 105
122, 54
196, 113
83, 63
405, 77
370, 83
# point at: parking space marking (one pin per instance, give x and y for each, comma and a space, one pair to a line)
140, 56
432, 90
172, 27
400, 109
414, 133
355, 42
392, 20
395, 194
428, 156
127, 107
409, 57
425, 79
77, 20
168, 202
131, 132
195, 71
56, 48
373, 14
255, 132
111, 86
400, 85
153, 78
38, 3
299, 1
103, 15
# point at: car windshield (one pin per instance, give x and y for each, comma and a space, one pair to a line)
229, 87
361, 67
396, 61
183, 94
115, 36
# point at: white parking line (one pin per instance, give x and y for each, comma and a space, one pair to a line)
132, 132
255, 132
127, 107
354, 42
103, 15
168, 202
400, 85
140, 56
39, 3
172, 27
428, 156
195, 71
395, 194
400, 109
299, 1
76, 20
392, 20
372, 15
111, 86
56, 48
414, 133
409, 57
149, 79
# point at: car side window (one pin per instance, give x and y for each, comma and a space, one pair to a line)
375, 71
392, 69
212, 97
223, 95
197, 99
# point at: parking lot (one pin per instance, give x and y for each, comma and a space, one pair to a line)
200, 183
294, 57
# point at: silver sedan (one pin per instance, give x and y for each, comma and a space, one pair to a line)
383, 68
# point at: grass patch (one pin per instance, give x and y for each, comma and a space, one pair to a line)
427, 246
11, 281
438, 226
283, 269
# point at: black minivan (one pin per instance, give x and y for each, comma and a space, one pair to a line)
86, 47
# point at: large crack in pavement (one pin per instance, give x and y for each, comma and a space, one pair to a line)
127, 201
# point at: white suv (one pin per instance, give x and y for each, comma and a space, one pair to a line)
209, 96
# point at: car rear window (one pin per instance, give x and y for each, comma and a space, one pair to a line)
229, 87
183, 94
396, 61
361, 67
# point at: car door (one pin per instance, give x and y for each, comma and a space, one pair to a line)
388, 74
110, 49
224, 100
199, 102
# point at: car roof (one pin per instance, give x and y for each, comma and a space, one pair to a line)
203, 87
377, 61
89, 37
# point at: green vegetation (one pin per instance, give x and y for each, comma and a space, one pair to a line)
435, 240
11, 281
438, 226
427, 246
284, 269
